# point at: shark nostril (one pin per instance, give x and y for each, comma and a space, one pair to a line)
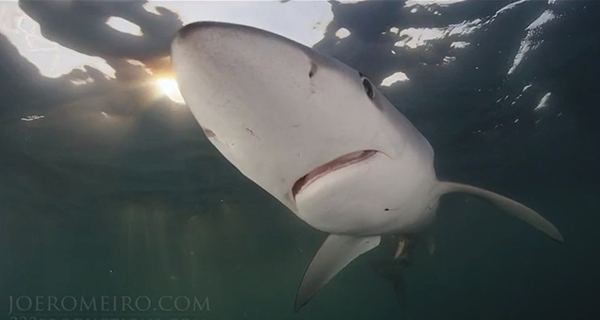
313, 69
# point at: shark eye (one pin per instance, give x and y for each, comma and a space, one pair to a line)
368, 86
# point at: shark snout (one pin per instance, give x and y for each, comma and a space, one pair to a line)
211, 28
226, 40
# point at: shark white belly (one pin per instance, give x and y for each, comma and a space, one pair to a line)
318, 136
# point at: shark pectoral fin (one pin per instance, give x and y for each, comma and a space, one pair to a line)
336, 252
514, 208
401, 247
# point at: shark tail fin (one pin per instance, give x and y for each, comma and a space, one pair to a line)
510, 206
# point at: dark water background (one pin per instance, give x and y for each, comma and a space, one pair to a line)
142, 205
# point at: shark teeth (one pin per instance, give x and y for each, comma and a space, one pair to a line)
329, 167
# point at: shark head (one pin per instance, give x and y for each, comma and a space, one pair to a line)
311, 131
318, 136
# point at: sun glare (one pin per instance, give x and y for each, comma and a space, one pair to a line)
169, 88
124, 26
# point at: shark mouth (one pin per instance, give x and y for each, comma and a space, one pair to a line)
329, 167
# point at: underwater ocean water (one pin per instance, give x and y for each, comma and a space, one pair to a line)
114, 205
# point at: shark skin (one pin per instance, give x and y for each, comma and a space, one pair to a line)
319, 137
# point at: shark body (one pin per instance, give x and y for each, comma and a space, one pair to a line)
318, 136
